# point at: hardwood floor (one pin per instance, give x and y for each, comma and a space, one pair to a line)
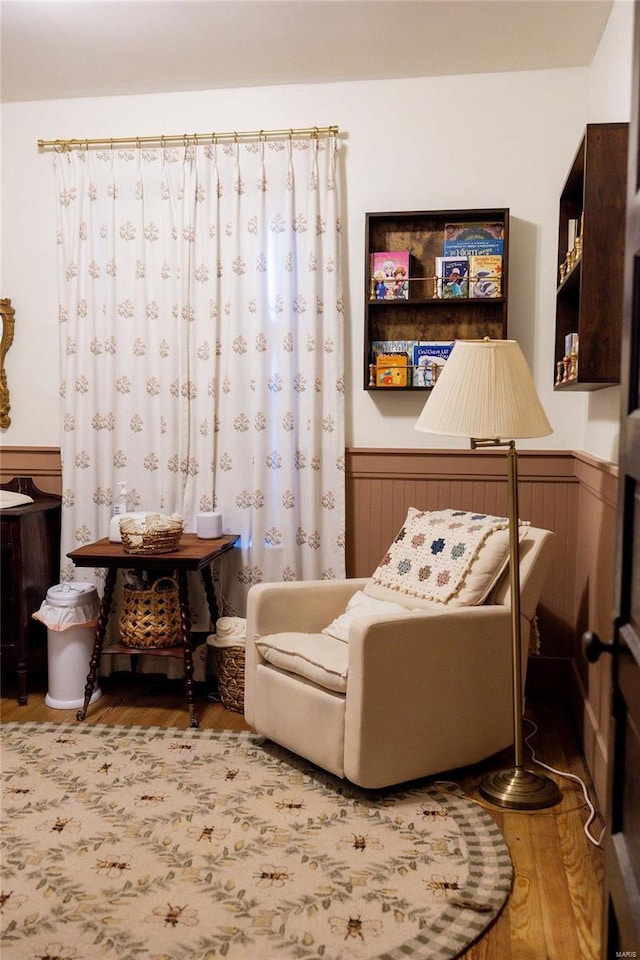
554, 910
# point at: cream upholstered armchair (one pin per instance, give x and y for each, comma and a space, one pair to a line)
401, 686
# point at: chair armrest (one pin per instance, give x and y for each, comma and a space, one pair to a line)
408, 673
426, 644
305, 606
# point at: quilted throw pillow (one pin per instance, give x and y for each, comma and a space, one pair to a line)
443, 556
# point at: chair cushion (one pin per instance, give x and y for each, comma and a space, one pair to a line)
360, 606
446, 557
314, 656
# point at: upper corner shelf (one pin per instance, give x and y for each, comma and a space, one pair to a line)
410, 304
591, 238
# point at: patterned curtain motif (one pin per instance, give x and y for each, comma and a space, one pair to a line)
201, 326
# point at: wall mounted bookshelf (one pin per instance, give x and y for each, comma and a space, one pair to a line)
591, 238
424, 316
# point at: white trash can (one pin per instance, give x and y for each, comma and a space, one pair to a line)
70, 613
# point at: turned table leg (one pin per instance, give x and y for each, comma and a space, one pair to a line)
210, 593
101, 629
185, 618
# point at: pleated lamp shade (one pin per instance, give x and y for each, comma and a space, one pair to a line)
485, 391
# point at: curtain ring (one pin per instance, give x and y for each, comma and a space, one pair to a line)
290, 133
235, 136
315, 133
262, 136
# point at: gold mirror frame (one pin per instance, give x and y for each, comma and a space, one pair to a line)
8, 323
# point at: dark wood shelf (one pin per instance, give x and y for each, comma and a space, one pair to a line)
460, 303
589, 295
173, 651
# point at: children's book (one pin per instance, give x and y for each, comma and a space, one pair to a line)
452, 277
428, 360
485, 276
467, 239
392, 370
390, 275
391, 346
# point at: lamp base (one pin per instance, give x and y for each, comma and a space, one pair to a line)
519, 789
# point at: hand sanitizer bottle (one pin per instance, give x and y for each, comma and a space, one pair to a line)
121, 503
119, 510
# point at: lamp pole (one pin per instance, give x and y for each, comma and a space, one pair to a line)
515, 788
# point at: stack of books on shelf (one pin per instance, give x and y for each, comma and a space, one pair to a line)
408, 363
470, 266
471, 261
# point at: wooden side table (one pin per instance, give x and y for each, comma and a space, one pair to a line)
191, 554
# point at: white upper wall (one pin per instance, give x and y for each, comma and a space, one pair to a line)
433, 143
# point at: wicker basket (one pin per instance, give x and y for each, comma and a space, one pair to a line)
230, 664
152, 540
150, 618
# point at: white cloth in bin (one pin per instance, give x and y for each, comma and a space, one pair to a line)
230, 632
63, 618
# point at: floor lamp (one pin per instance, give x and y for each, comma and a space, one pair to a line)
485, 392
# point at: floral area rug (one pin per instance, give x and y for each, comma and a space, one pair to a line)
130, 843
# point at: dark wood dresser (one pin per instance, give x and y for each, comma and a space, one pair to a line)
29, 565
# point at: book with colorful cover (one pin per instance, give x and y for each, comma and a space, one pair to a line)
485, 276
390, 275
392, 370
429, 358
452, 277
391, 346
468, 239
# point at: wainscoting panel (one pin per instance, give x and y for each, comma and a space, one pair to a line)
590, 688
42, 464
383, 484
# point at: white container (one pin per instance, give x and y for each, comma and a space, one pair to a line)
209, 526
70, 613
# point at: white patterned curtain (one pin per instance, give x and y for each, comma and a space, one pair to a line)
202, 347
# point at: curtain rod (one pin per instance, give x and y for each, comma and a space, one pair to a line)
192, 138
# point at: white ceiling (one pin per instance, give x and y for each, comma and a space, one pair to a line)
88, 48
